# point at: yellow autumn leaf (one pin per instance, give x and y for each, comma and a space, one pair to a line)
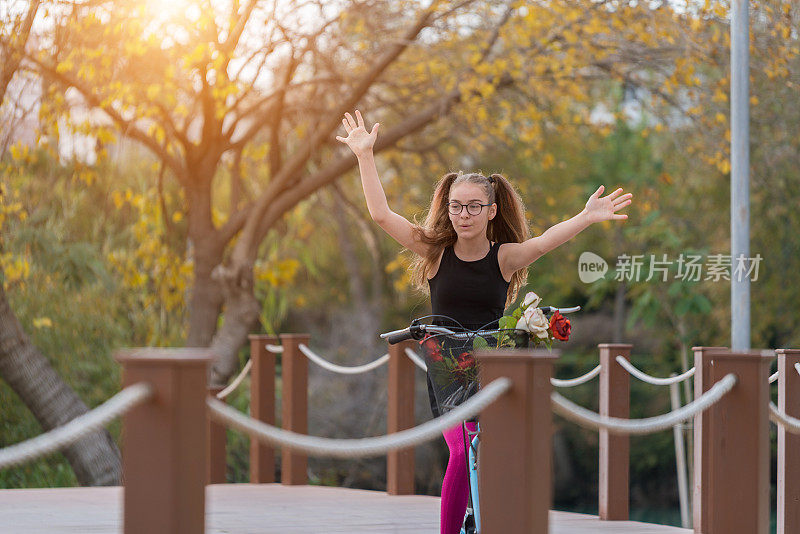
42, 322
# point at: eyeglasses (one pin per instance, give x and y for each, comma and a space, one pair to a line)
473, 208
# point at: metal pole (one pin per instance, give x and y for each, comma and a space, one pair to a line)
740, 167
680, 459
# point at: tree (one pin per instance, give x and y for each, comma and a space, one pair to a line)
207, 86
94, 458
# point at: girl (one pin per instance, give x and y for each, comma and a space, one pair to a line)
473, 251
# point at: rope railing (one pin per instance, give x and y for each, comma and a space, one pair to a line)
67, 434
350, 370
654, 380
577, 381
773, 377
414, 357
359, 447
797, 367
789, 423
557, 382
616, 425
238, 380
341, 369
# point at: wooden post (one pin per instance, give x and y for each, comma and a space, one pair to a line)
613, 487
217, 441
788, 443
738, 461
702, 361
400, 463
294, 465
164, 441
516, 477
262, 405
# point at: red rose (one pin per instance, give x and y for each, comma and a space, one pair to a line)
432, 347
466, 363
560, 326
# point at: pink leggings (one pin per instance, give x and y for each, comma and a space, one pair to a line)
455, 486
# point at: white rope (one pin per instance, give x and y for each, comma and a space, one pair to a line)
616, 425
577, 381
789, 423
274, 348
75, 429
773, 377
416, 359
235, 384
362, 447
644, 377
325, 364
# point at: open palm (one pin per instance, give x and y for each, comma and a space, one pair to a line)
358, 139
604, 209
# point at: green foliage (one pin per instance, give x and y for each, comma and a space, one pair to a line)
71, 303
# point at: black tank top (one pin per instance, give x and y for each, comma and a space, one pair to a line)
471, 292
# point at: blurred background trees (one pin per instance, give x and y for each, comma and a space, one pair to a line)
181, 185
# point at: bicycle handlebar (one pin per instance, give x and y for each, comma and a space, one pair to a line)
418, 331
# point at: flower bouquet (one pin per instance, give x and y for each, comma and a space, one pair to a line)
527, 326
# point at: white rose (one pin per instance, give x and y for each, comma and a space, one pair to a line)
534, 321
531, 300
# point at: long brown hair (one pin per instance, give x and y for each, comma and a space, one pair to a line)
507, 226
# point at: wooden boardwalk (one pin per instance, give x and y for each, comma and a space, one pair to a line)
266, 509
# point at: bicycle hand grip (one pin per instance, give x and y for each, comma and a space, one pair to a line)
398, 336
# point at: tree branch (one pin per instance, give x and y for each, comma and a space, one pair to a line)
128, 127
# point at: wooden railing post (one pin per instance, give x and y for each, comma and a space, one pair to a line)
788, 443
738, 441
400, 463
217, 442
516, 477
262, 405
164, 441
702, 381
294, 406
613, 485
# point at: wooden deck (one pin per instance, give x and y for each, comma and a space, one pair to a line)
266, 508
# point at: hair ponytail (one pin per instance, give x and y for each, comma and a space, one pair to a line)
436, 231
509, 226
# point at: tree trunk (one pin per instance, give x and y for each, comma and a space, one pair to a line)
242, 310
355, 282
205, 303
619, 297
95, 458
205, 249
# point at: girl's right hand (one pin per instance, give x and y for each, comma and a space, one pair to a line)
358, 139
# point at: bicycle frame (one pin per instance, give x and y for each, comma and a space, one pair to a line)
472, 467
418, 331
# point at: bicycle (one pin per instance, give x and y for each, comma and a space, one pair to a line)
449, 392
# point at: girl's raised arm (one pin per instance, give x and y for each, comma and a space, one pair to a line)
519, 255
361, 142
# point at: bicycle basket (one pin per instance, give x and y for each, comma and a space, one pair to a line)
452, 368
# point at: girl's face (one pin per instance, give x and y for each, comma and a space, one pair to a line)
466, 225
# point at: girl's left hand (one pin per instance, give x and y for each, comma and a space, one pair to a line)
604, 209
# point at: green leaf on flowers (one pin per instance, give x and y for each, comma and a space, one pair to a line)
480, 343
